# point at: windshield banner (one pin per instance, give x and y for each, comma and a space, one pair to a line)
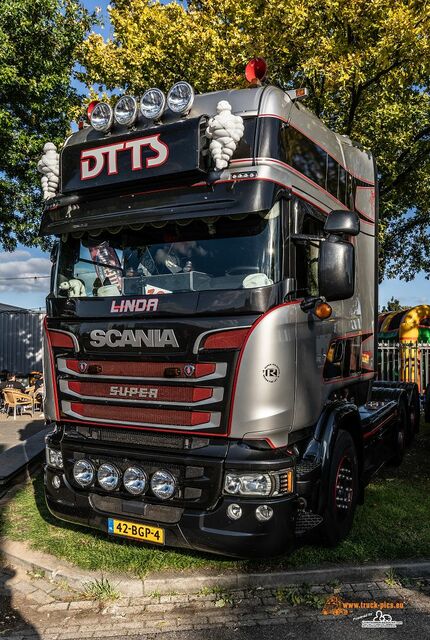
148, 154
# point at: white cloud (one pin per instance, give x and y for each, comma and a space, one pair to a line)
19, 254
21, 265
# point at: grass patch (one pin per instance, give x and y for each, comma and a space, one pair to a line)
394, 523
101, 590
301, 596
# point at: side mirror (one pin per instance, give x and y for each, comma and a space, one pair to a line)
342, 222
336, 269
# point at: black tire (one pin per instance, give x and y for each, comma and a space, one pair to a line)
342, 491
401, 435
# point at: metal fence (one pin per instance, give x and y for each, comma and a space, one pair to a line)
407, 362
21, 341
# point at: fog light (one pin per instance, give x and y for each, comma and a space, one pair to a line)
83, 472
135, 480
163, 484
108, 476
56, 482
263, 513
234, 511
54, 458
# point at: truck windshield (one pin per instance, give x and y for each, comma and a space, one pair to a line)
222, 252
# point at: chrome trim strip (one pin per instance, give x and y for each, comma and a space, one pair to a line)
213, 424
217, 396
220, 372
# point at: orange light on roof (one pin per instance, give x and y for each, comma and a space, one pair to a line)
255, 70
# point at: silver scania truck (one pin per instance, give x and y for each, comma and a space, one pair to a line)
210, 347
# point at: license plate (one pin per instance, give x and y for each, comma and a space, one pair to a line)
134, 530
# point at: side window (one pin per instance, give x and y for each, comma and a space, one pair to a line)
343, 358
310, 222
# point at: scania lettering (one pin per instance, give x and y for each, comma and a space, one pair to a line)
152, 338
210, 338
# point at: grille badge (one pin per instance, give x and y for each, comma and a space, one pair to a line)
189, 370
83, 367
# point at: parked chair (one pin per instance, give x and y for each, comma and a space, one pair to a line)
17, 401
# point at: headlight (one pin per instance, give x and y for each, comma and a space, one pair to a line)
275, 483
152, 104
163, 484
54, 458
102, 117
83, 472
250, 484
135, 480
108, 476
125, 111
180, 97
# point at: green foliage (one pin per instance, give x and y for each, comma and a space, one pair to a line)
367, 65
38, 46
393, 305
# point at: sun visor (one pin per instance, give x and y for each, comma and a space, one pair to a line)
198, 201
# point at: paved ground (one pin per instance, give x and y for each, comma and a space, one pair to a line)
35, 607
13, 432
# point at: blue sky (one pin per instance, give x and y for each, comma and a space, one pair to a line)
25, 263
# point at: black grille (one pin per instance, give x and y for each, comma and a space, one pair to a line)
128, 436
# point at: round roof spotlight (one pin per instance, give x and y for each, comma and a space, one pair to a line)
163, 484
180, 97
83, 472
125, 111
135, 480
108, 476
90, 108
152, 104
102, 117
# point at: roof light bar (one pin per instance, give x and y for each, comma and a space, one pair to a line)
102, 117
180, 98
125, 111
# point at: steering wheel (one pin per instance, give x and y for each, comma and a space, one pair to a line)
242, 270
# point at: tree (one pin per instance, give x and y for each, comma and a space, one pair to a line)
393, 305
367, 65
38, 46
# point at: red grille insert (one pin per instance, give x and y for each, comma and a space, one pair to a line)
139, 415
142, 392
137, 369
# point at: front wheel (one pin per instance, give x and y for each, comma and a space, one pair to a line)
342, 491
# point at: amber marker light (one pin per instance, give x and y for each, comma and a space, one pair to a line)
323, 310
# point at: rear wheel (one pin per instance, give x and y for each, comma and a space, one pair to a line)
342, 490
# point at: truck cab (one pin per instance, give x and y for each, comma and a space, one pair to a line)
210, 335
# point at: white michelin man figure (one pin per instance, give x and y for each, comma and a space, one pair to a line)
224, 130
49, 167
